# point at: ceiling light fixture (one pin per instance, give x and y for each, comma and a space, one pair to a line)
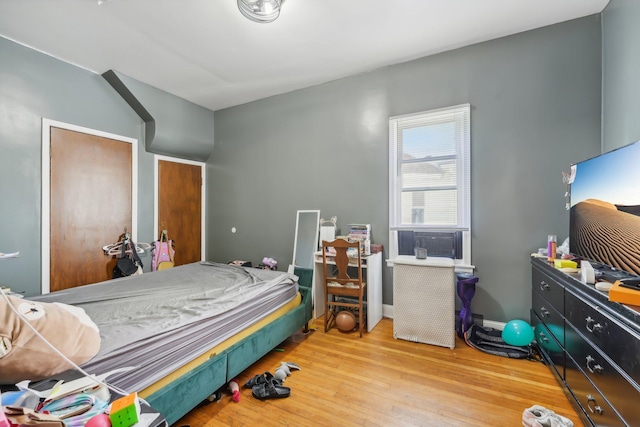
262, 11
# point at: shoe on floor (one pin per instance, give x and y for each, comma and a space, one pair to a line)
259, 379
272, 389
539, 416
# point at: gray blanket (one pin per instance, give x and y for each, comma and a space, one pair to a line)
156, 322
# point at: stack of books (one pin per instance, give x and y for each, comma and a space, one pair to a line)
360, 233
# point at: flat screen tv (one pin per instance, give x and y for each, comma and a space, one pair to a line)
605, 209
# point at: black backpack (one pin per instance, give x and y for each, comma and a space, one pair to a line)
490, 341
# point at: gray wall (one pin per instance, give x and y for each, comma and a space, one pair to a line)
35, 86
535, 110
620, 65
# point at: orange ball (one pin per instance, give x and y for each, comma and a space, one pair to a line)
345, 321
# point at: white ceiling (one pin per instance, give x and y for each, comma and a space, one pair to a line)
205, 51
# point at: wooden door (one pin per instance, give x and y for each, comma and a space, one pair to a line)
180, 208
90, 205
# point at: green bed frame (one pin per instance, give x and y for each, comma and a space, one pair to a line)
179, 397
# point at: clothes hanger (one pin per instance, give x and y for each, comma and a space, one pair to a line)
125, 238
115, 248
112, 249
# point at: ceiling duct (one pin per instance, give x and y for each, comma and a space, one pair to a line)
173, 126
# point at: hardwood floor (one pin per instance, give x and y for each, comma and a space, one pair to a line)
379, 381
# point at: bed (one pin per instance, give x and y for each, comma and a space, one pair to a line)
188, 330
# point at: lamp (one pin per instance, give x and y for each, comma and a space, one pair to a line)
262, 11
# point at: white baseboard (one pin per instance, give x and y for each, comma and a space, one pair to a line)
387, 311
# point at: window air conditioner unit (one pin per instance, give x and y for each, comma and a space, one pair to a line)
437, 243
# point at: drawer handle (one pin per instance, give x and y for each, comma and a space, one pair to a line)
596, 409
544, 286
543, 338
592, 326
544, 312
594, 369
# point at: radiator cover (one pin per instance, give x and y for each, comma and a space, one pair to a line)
424, 300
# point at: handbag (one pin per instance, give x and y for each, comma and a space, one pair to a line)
127, 265
124, 267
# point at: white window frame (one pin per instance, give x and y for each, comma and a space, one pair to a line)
461, 115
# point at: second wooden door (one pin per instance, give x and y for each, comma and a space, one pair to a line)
180, 208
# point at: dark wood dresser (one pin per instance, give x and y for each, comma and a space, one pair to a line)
591, 344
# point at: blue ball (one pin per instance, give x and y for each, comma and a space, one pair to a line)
517, 332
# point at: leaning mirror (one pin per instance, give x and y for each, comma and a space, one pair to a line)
306, 238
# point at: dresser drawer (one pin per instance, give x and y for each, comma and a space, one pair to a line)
548, 344
621, 344
552, 319
549, 289
603, 373
590, 399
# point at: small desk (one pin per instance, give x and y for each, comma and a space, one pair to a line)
372, 272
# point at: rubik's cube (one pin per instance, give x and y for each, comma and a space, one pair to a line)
125, 411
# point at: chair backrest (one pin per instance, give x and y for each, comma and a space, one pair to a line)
338, 250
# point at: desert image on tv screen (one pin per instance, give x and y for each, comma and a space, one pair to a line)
605, 209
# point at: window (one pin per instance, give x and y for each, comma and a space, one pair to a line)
429, 174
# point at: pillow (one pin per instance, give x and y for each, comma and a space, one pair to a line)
25, 356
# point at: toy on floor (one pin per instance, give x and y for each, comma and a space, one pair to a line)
234, 388
284, 370
345, 321
101, 420
125, 411
518, 333
216, 396
268, 264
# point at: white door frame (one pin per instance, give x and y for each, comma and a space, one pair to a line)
46, 190
203, 169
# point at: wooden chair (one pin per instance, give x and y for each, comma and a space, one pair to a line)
338, 283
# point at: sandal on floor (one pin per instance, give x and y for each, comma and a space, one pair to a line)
272, 389
259, 379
